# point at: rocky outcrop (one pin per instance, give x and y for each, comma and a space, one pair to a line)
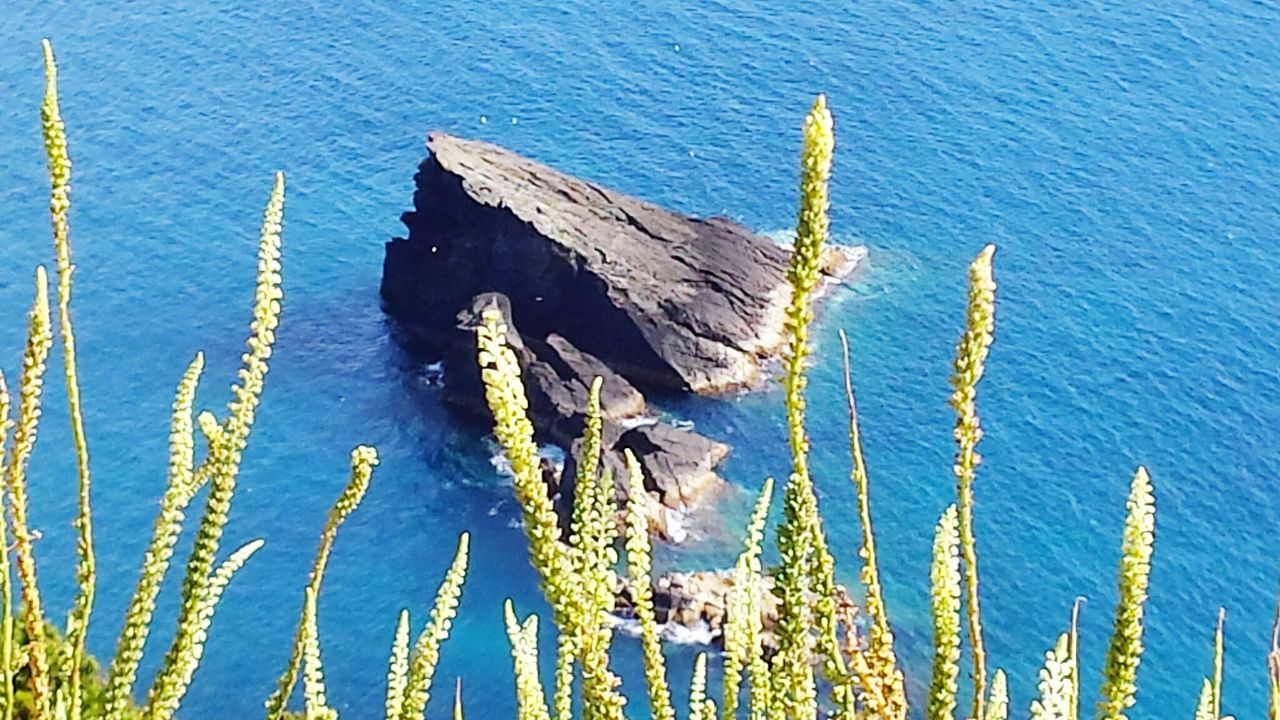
693, 605
679, 464
663, 299
601, 285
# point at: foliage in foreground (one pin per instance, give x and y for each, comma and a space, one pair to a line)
54, 678
824, 664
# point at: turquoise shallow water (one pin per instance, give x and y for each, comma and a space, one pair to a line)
1124, 158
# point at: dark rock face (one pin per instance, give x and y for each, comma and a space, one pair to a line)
679, 464
600, 284
664, 299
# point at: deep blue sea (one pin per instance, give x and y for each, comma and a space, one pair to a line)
1125, 158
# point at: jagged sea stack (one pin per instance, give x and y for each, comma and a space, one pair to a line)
599, 284
666, 300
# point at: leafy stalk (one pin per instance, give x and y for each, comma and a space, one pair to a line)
1057, 679
1120, 673
363, 460
155, 564
883, 688
638, 573
6, 574
39, 340
945, 580
398, 668
1204, 706
700, 706
224, 461
576, 579
505, 395
313, 690
970, 363
742, 626
805, 580
998, 702
55, 145
426, 650
531, 701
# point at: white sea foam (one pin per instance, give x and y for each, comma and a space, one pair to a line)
700, 634
635, 422
550, 452
677, 525
432, 374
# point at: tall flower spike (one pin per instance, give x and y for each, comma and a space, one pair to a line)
741, 637
6, 574
39, 339
698, 690
531, 701
363, 460
163, 705
759, 686
565, 653
884, 692
805, 559
426, 651
225, 454
593, 541
55, 145
805, 269
457, 699
638, 571
577, 589
998, 703
1056, 680
155, 564
504, 392
970, 363
313, 690
945, 580
1120, 672
1073, 651
398, 668
588, 469
1217, 663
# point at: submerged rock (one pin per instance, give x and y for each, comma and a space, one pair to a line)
693, 606
664, 299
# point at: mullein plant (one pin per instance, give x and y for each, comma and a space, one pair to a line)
44, 669
862, 674
46, 673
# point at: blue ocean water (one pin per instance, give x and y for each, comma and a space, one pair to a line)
1123, 156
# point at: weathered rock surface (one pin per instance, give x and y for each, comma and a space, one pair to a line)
663, 299
600, 284
695, 602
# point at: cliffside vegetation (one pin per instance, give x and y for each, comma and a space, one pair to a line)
824, 664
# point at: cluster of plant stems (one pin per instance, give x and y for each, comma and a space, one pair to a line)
824, 665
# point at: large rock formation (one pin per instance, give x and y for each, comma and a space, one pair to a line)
664, 299
600, 284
